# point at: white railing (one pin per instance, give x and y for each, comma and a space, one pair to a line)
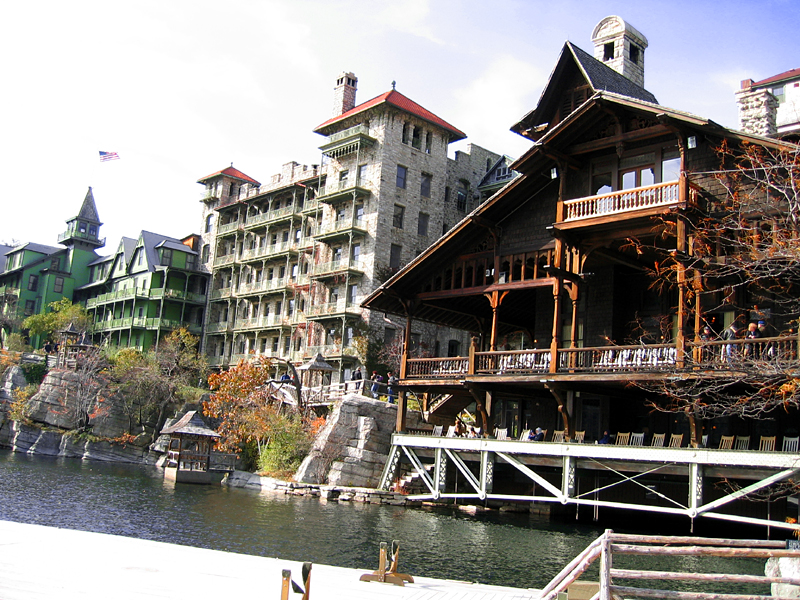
621, 201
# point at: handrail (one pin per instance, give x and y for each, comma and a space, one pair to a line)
655, 545
622, 201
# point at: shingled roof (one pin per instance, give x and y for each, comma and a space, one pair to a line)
398, 100
230, 172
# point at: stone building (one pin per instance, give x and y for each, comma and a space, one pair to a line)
292, 259
771, 107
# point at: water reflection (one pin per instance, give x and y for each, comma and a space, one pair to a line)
507, 549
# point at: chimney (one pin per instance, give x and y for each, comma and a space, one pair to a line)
621, 47
758, 110
344, 94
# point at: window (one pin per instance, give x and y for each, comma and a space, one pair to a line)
406, 132
422, 224
33, 283
209, 223
282, 272
279, 308
425, 186
140, 257
362, 175
337, 255
416, 138
461, 197
93, 230
359, 214
356, 254
389, 335
166, 257
343, 178
205, 253
635, 54
55, 264
294, 272
670, 165
30, 306
349, 333
608, 51
428, 142
447, 193
340, 215
779, 93
82, 227
352, 293
287, 344
394, 257
397, 218
274, 344
58, 285
191, 262
453, 348
402, 174
415, 342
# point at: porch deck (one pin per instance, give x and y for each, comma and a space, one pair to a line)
725, 356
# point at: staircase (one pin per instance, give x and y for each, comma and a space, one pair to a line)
411, 483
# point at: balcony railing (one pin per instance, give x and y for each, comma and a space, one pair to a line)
623, 201
336, 266
652, 358
269, 216
226, 259
228, 227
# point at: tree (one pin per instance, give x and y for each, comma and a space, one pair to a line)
58, 317
743, 256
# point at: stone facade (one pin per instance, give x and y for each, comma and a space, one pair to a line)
771, 107
758, 111
620, 46
292, 260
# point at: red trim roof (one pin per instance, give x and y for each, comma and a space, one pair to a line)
790, 74
400, 101
230, 172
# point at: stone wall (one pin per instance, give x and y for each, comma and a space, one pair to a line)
351, 449
758, 111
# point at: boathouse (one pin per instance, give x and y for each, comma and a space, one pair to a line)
189, 452
557, 278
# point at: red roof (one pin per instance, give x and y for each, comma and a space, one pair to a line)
400, 101
230, 172
790, 74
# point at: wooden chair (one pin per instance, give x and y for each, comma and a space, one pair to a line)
705, 441
501, 434
558, 436
523, 437
451, 431
658, 440
675, 440
767, 444
790, 444
580, 436
623, 439
726, 442
742, 442
637, 439
437, 430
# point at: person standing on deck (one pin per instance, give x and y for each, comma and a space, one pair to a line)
730, 333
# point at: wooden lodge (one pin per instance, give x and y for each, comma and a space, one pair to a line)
553, 278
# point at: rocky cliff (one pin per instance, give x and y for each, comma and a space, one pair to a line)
352, 447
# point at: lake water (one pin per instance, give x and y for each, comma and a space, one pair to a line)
134, 501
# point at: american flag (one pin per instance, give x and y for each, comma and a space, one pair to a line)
104, 156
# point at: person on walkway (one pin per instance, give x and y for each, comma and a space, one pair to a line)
356, 378
376, 384
730, 333
752, 351
606, 439
538, 435
391, 385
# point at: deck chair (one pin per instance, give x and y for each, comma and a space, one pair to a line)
451, 431
637, 439
558, 436
790, 444
726, 442
767, 444
658, 440
742, 442
501, 434
523, 437
437, 430
675, 440
623, 439
580, 436
705, 441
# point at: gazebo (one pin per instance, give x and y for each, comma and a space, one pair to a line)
189, 450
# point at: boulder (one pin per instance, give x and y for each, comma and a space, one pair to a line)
784, 567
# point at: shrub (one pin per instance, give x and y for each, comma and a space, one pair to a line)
288, 444
34, 372
19, 409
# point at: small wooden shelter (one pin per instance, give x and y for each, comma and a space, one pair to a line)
189, 450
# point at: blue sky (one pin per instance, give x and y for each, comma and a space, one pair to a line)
181, 89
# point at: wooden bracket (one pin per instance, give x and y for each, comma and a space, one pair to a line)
388, 574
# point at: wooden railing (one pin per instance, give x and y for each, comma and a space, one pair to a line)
621, 201
656, 548
718, 355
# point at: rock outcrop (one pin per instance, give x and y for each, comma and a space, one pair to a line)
784, 567
351, 449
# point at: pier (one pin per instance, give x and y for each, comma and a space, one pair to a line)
38, 563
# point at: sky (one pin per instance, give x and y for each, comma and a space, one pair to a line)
182, 89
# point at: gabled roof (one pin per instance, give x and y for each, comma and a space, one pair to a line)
34, 247
190, 423
88, 210
172, 244
599, 77
230, 172
790, 74
397, 100
488, 178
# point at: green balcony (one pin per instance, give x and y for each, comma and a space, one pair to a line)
348, 141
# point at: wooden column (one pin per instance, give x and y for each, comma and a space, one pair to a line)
558, 259
563, 410
495, 300
680, 337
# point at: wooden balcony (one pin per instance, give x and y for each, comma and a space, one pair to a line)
631, 201
625, 360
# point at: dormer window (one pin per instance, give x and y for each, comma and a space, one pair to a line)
82, 227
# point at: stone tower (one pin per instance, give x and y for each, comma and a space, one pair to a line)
620, 46
344, 94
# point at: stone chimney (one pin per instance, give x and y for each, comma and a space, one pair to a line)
758, 110
344, 94
621, 47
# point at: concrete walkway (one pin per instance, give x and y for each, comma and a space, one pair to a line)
39, 562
